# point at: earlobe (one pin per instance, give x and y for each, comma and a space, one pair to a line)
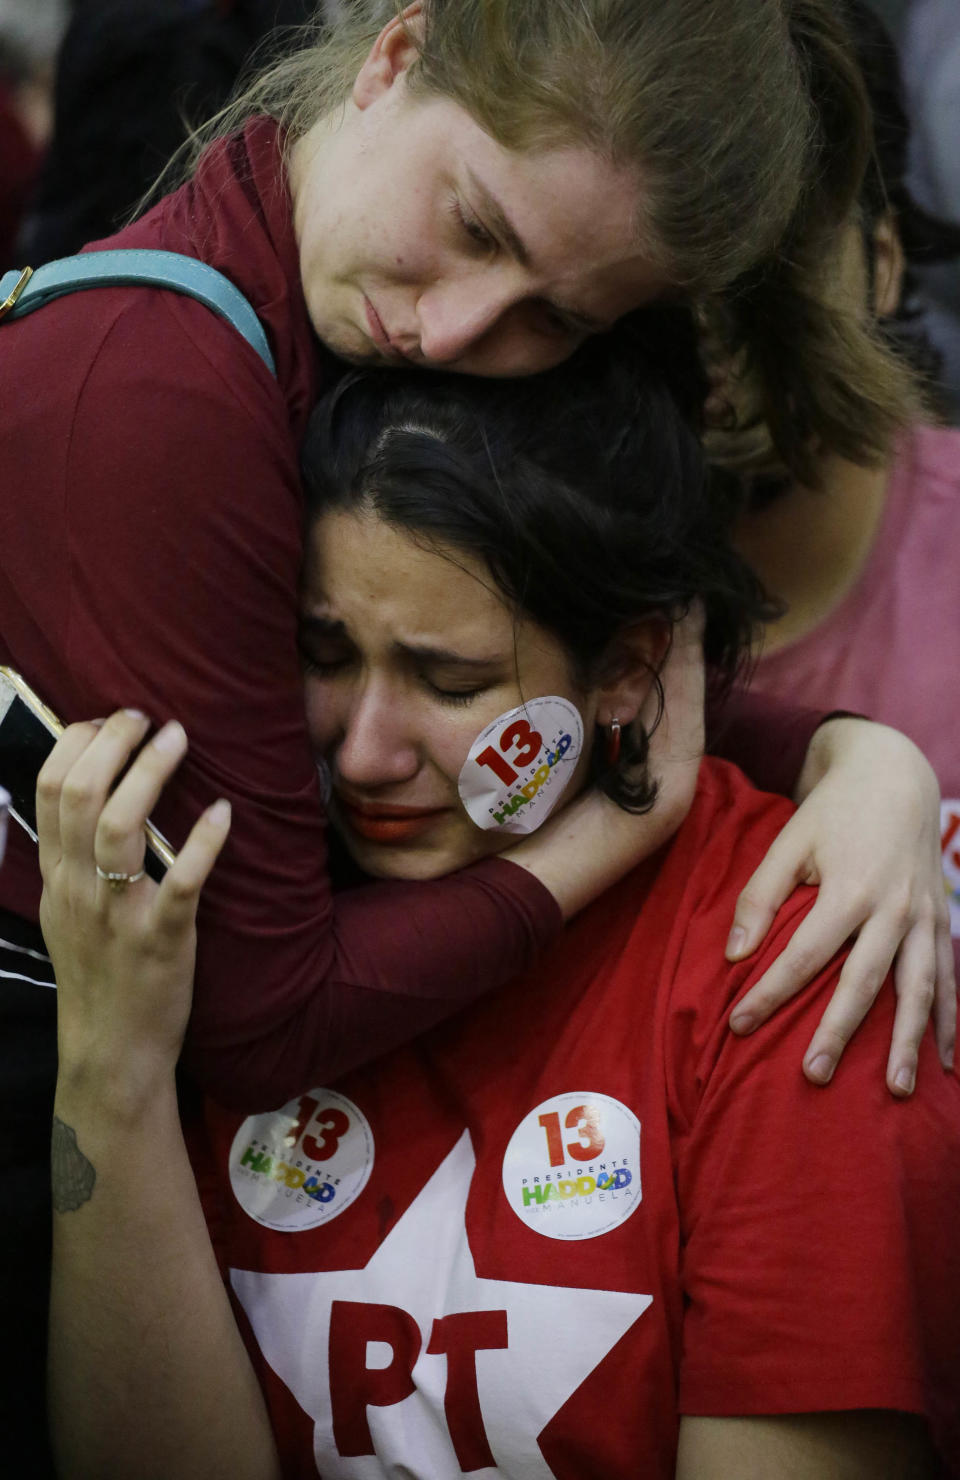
888, 267
634, 661
389, 57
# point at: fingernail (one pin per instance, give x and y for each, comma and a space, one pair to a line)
946, 1058
905, 1079
135, 714
736, 941
172, 737
219, 813
821, 1068
743, 1022
98, 722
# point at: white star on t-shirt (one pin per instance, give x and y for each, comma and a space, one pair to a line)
556, 1336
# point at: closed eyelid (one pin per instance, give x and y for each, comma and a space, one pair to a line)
472, 226
500, 224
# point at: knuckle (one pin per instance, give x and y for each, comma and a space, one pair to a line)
832, 1038
179, 891
760, 1001
81, 728
860, 991
121, 721
902, 915
76, 793
927, 912
801, 960
111, 832
48, 785
922, 994
750, 901
859, 904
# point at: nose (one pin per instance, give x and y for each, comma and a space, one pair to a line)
377, 747
456, 315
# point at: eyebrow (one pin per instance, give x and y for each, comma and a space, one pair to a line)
420, 652
443, 658
322, 626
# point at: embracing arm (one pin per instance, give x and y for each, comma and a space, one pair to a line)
865, 1445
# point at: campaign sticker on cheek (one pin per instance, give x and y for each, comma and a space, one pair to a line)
520, 765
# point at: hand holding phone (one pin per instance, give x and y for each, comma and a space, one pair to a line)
28, 732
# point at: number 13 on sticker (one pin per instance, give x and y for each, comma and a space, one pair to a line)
582, 1118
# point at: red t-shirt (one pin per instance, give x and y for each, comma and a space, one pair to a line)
532, 1241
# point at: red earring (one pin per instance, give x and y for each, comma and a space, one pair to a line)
613, 742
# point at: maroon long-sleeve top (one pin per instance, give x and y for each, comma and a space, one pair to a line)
151, 529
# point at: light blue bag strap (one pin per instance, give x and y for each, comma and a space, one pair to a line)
22, 292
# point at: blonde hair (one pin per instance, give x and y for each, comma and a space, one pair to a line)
746, 122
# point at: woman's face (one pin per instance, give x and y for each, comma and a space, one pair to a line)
424, 241
410, 652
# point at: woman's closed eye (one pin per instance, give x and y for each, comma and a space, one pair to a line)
471, 226
455, 696
325, 661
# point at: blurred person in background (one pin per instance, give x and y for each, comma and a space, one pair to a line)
29, 37
860, 554
131, 78
931, 70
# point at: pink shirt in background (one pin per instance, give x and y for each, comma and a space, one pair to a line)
890, 649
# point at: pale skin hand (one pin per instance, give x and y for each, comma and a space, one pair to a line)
117, 941
868, 833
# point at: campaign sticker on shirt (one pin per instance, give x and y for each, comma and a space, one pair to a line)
298, 1167
572, 1168
519, 766
950, 845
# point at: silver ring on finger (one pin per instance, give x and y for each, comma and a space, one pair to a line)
118, 881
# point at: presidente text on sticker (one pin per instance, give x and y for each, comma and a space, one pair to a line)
572, 1168
298, 1167
519, 766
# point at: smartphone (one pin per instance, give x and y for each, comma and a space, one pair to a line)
28, 733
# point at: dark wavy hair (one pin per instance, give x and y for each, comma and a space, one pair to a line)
582, 491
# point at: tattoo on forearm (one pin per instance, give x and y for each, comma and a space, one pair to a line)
72, 1174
